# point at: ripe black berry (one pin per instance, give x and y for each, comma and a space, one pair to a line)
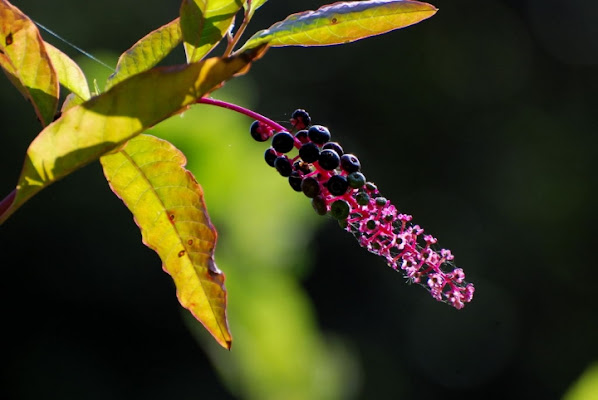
318, 134
328, 159
259, 131
350, 163
300, 119
295, 181
381, 201
356, 180
309, 152
319, 204
270, 155
283, 166
334, 146
283, 142
340, 209
310, 187
302, 167
302, 136
337, 185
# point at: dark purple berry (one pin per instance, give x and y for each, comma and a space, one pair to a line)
334, 146
318, 134
295, 181
283, 166
350, 163
371, 186
302, 136
283, 142
270, 155
340, 209
259, 131
309, 152
356, 180
310, 187
319, 204
337, 185
329, 160
300, 119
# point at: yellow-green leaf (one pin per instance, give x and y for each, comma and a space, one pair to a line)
24, 59
167, 203
69, 73
342, 22
204, 23
147, 52
252, 5
87, 131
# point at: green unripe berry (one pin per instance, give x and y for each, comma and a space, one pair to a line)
371, 187
381, 201
310, 187
362, 198
356, 180
340, 209
319, 205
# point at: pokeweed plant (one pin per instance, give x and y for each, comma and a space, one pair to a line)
149, 173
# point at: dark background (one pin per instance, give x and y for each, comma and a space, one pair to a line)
481, 122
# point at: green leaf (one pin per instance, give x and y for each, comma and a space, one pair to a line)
252, 5
167, 203
204, 23
69, 73
147, 52
342, 22
105, 122
24, 59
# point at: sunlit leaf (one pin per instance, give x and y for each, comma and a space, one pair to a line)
252, 5
342, 22
167, 203
147, 52
69, 73
204, 23
25, 61
85, 132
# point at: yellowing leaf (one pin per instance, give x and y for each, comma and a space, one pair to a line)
26, 63
342, 22
252, 5
204, 23
167, 203
69, 73
85, 132
147, 52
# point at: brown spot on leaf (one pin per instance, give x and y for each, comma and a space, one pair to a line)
190, 242
181, 253
8, 41
171, 217
333, 21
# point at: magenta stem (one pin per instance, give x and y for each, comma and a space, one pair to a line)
242, 110
6, 202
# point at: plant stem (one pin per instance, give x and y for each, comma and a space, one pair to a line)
6, 203
232, 43
242, 110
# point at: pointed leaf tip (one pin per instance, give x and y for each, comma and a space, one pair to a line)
167, 203
343, 22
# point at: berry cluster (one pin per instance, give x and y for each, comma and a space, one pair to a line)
332, 179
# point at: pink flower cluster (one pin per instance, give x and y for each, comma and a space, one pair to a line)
370, 217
